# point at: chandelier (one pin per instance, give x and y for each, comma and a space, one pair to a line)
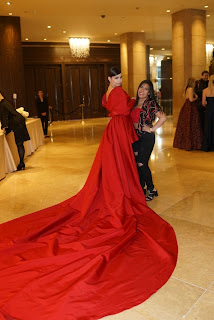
79, 47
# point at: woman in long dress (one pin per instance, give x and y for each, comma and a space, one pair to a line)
208, 103
188, 134
97, 253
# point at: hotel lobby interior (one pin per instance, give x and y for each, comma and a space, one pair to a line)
58, 166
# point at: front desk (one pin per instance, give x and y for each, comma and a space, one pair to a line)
9, 158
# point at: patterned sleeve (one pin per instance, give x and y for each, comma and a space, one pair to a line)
154, 107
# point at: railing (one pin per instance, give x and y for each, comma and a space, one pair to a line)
166, 105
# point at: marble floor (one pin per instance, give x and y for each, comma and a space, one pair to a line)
185, 181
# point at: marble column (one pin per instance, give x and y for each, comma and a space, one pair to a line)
11, 60
133, 60
188, 52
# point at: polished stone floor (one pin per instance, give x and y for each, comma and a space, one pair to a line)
185, 181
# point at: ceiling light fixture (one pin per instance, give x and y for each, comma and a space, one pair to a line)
26, 39
48, 27
208, 15
10, 14
168, 10
205, 6
63, 31
80, 47
108, 40
8, 3
45, 39
163, 49
151, 48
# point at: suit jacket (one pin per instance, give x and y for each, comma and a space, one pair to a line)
42, 106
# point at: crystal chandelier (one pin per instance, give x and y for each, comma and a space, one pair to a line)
79, 47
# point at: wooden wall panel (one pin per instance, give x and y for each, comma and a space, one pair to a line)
11, 60
66, 80
47, 79
30, 91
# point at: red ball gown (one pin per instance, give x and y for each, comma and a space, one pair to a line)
97, 253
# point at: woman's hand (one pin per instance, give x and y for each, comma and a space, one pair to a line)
147, 129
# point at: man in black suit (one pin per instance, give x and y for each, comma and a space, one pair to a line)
43, 111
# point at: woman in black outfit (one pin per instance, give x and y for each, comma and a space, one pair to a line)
11, 120
143, 115
43, 111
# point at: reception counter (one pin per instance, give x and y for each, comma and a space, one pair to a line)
9, 158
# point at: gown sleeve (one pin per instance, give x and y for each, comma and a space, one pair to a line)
119, 102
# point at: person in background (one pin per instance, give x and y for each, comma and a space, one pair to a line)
200, 85
43, 111
146, 109
11, 120
208, 103
188, 134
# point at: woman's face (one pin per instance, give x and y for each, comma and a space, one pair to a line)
115, 81
143, 91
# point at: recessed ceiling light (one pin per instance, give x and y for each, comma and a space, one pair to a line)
115, 33
168, 10
48, 27
10, 14
205, 6
8, 3
151, 48
26, 39
163, 49
45, 39
168, 58
170, 78
108, 40
208, 15
64, 31
142, 30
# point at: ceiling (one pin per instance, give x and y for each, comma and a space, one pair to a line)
102, 21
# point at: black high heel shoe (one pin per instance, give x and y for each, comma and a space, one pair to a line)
151, 195
21, 166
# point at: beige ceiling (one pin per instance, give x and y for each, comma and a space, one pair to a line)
83, 18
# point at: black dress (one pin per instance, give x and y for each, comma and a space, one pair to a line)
208, 141
12, 120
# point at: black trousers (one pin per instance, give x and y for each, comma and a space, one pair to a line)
144, 147
44, 121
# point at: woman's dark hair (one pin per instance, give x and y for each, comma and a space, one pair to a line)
151, 91
114, 71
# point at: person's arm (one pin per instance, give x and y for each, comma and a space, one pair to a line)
161, 119
204, 95
190, 94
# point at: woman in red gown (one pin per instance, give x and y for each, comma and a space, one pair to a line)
97, 253
188, 134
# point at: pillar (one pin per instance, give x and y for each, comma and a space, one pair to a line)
188, 52
133, 60
11, 60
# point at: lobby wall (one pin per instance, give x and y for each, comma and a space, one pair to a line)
68, 82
